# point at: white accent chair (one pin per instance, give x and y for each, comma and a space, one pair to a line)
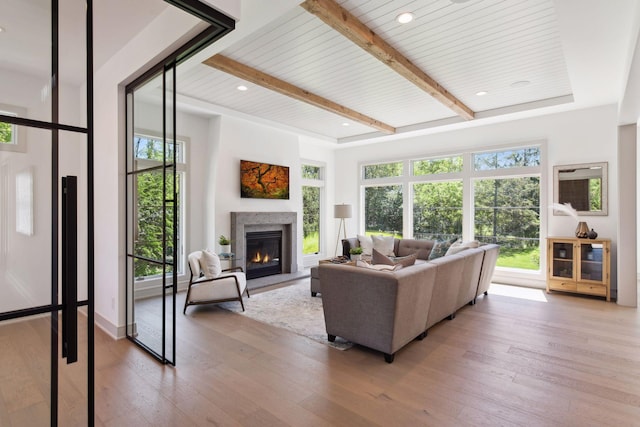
228, 286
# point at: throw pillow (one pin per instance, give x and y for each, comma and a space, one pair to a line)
440, 248
406, 261
383, 244
379, 258
378, 267
366, 243
211, 265
459, 246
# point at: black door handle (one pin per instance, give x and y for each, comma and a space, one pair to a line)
70, 268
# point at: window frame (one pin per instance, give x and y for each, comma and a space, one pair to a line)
468, 175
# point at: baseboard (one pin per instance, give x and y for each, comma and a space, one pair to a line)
115, 332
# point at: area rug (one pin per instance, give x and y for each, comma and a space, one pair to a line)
291, 307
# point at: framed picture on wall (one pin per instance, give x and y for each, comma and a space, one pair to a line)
263, 180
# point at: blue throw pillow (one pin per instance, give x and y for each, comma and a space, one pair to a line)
441, 248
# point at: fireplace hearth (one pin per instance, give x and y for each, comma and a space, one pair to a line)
263, 253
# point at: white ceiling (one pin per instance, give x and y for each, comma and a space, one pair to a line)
575, 54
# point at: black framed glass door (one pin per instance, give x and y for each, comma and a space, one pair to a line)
46, 225
154, 158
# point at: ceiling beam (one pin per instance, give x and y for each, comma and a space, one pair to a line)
257, 77
349, 26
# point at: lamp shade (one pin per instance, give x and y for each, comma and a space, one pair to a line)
342, 211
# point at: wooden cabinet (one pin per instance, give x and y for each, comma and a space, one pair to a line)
579, 265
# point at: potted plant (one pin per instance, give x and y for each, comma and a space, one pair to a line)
356, 253
225, 244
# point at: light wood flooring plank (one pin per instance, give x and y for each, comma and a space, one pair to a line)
566, 361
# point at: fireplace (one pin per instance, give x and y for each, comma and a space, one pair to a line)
285, 223
264, 253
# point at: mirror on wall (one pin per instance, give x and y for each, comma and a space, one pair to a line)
583, 185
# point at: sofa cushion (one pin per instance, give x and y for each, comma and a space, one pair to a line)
421, 247
440, 248
211, 265
459, 246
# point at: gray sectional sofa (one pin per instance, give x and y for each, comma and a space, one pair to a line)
385, 310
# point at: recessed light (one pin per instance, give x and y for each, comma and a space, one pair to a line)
242, 88
2, 29
405, 18
458, 1
345, 124
520, 83
482, 93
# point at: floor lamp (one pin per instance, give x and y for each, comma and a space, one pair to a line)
342, 212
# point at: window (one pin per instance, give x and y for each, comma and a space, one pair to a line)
505, 159
383, 210
507, 212
7, 132
383, 170
437, 166
149, 204
491, 196
437, 210
11, 139
312, 208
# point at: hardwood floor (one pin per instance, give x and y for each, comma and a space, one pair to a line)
569, 360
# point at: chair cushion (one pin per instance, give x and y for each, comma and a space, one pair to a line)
211, 265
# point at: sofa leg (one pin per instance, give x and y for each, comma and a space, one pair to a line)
422, 336
389, 357
472, 302
313, 294
486, 292
331, 338
452, 316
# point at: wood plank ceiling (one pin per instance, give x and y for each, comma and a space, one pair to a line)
466, 48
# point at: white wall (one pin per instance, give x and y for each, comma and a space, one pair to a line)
242, 140
571, 137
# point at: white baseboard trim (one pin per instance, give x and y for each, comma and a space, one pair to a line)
115, 332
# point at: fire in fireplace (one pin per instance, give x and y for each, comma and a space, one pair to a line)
263, 253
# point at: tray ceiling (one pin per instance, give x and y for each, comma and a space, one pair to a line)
487, 46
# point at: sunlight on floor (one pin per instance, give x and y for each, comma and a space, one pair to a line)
530, 294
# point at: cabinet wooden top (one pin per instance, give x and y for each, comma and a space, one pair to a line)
578, 239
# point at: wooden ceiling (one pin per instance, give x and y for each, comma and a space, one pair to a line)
346, 69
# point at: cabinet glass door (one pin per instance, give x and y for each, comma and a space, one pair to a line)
563, 263
591, 264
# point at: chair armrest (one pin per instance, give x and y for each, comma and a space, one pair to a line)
238, 268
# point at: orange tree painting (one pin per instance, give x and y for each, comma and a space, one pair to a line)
263, 181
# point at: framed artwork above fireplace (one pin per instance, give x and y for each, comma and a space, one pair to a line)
263, 180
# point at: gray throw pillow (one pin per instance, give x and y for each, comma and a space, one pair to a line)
378, 258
